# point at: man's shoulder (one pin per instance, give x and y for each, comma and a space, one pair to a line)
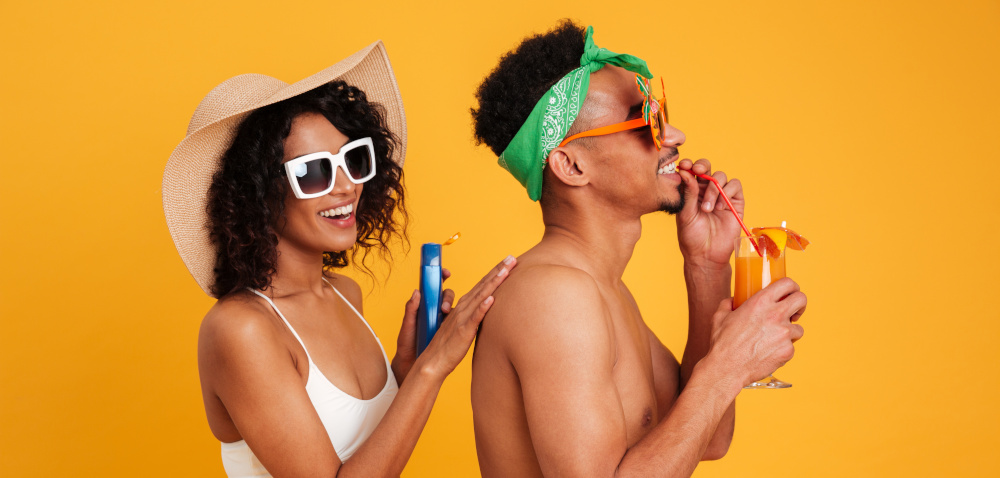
559, 276
543, 298
551, 285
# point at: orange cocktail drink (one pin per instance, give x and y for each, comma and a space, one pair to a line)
754, 271
757, 269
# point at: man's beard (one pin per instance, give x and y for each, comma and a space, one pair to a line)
676, 206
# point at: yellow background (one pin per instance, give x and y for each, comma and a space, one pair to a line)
870, 126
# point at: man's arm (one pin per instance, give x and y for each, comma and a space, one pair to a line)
706, 287
563, 349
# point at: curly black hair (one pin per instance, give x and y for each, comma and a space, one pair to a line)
246, 198
507, 96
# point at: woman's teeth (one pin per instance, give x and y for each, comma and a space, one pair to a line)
338, 211
668, 169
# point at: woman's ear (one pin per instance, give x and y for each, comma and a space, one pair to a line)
569, 166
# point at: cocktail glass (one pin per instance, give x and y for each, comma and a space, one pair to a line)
754, 271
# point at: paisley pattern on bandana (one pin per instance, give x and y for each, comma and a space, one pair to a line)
562, 110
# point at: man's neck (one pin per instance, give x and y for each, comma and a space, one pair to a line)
600, 243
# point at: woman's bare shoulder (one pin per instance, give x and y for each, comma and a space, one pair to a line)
242, 353
240, 318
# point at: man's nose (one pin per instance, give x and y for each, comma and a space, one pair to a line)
672, 137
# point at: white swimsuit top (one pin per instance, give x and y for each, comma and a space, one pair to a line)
348, 420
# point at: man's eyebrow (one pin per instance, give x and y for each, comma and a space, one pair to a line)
634, 111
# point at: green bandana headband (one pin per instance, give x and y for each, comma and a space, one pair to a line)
555, 112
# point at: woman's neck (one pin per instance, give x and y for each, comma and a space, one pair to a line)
297, 271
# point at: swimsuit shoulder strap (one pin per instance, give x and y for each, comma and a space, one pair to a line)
275, 307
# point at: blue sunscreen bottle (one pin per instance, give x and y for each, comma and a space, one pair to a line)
429, 312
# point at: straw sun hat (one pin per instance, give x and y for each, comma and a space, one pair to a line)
213, 126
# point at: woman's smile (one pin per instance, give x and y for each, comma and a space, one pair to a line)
340, 216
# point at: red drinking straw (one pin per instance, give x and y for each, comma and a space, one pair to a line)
731, 209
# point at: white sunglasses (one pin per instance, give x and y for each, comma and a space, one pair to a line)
314, 174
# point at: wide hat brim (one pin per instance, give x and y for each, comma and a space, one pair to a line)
213, 126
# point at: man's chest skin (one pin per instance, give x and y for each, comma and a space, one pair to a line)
632, 371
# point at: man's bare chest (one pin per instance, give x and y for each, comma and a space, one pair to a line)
632, 372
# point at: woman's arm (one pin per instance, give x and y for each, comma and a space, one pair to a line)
246, 364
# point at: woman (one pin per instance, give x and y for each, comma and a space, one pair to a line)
272, 187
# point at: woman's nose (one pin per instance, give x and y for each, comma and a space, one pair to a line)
341, 184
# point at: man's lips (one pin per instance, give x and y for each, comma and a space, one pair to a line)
669, 168
668, 165
672, 155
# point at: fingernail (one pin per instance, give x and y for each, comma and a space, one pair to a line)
489, 300
502, 272
413, 295
508, 260
707, 206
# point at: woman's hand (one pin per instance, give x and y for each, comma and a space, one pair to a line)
406, 343
458, 327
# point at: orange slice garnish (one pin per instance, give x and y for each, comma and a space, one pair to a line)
768, 245
792, 239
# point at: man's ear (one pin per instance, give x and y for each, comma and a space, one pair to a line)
569, 166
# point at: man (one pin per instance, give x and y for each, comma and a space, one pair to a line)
567, 378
